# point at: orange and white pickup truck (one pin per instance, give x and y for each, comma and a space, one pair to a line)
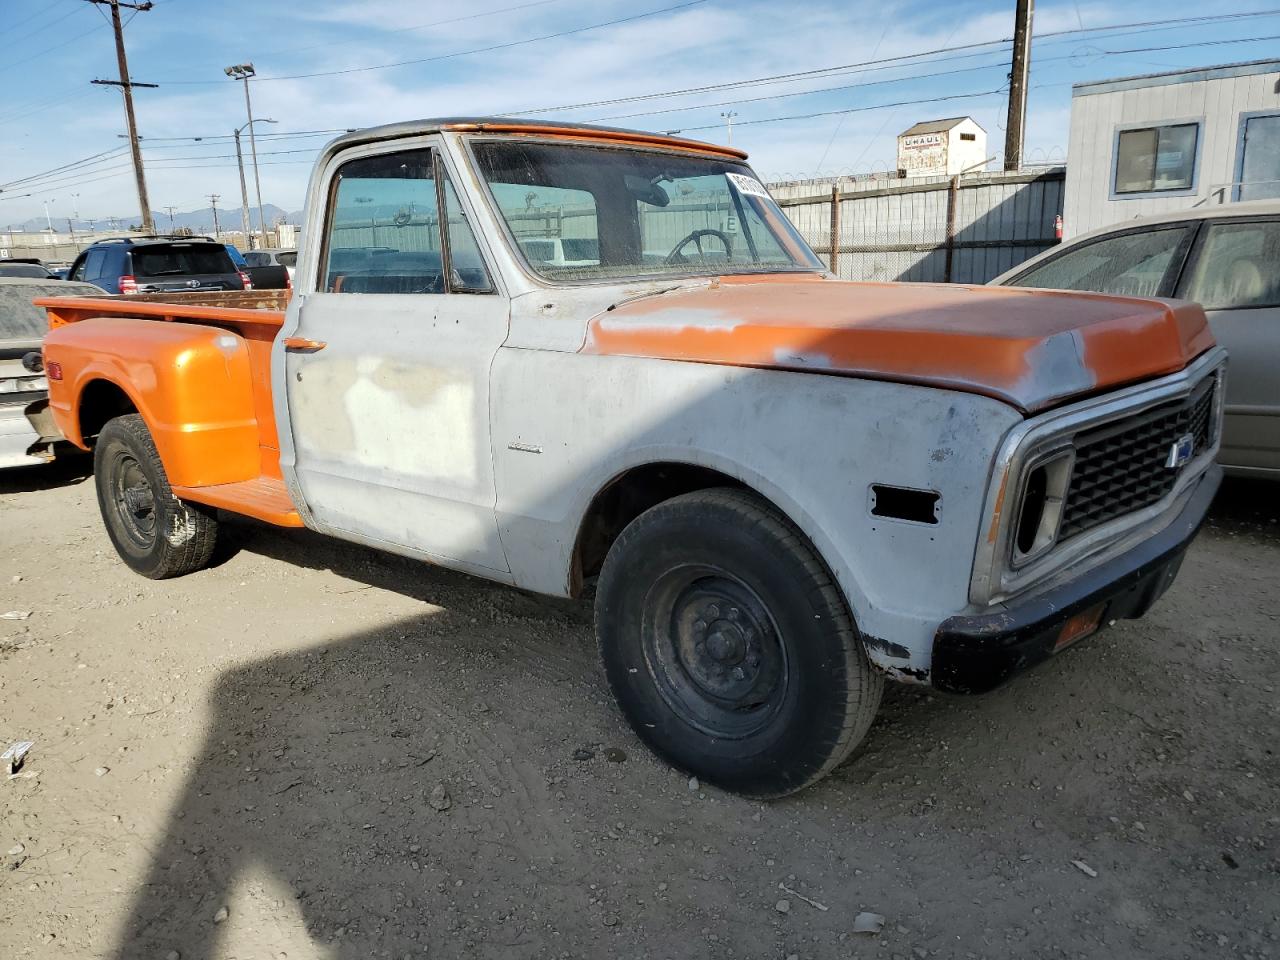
783, 487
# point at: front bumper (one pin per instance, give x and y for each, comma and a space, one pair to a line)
973, 654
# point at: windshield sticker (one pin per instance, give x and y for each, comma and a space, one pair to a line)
748, 185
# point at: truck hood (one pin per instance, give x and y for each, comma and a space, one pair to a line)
1032, 349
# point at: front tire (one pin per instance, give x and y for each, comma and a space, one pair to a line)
729, 647
154, 532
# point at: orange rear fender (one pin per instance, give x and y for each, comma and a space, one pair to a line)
192, 384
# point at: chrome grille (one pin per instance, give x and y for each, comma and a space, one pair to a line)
1121, 468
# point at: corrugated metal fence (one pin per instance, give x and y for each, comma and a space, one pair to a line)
964, 229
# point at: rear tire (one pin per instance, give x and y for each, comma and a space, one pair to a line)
729, 647
154, 532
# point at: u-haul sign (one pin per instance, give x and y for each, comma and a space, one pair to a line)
922, 141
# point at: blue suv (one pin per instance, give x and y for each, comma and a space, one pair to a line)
158, 264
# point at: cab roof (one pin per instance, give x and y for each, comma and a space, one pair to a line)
517, 126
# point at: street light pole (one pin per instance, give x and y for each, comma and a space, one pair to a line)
243, 71
244, 191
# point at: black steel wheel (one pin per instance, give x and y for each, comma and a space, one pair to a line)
154, 532
728, 646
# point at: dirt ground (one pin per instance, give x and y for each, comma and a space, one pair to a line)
316, 751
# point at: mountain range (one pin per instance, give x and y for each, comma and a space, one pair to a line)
201, 221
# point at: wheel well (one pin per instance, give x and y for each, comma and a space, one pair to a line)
625, 498
100, 401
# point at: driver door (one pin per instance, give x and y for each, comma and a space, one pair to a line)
387, 367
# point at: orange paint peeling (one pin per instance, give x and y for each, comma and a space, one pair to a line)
1029, 348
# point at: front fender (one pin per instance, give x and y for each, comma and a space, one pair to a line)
565, 425
191, 384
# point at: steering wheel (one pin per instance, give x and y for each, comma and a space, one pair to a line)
675, 256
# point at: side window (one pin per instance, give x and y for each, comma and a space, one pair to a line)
77, 271
1131, 264
469, 274
93, 264
1156, 159
383, 233
1238, 266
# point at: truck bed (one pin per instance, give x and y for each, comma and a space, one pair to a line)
256, 316
235, 307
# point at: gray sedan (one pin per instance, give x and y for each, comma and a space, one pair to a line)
1227, 258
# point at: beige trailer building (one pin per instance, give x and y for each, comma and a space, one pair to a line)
1167, 142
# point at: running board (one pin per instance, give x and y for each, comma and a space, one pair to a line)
263, 498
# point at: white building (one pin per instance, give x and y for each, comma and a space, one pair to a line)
1171, 141
942, 148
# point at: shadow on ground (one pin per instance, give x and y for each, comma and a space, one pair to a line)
65, 470
412, 790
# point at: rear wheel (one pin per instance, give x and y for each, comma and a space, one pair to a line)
154, 532
728, 646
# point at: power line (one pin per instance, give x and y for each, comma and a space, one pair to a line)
10, 64
73, 163
27, 36
420, 26
39, 13
462, 53
834, 113
883, 63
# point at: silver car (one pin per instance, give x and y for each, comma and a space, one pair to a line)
1227, 258
27, 432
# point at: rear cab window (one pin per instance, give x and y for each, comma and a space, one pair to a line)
160, 260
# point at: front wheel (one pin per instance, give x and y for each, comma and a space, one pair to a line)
728, 646
154, 532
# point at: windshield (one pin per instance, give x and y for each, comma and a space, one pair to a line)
586, 212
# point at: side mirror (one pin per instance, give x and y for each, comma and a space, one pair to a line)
33, 362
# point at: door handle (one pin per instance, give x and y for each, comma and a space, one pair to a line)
304, 343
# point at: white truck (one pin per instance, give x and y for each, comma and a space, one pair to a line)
784, 488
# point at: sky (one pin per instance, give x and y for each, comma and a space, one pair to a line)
320, 69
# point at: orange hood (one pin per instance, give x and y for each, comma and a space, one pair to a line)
1030, 348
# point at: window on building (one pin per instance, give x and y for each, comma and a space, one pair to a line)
968, 136
1155, 159
1259, 158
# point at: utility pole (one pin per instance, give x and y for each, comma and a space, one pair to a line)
213, 199
728, 119
1019, 73
126, 86
169, 210
244, 196
243, 71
